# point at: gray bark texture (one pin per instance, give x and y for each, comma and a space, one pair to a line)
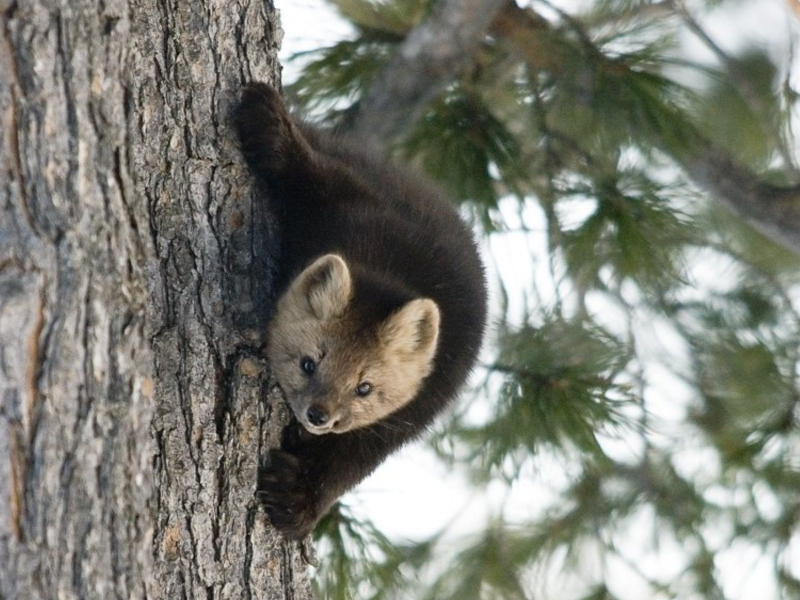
134, 284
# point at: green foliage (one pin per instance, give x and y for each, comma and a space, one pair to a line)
763, 255
561, 386
360, 562
395, 17
745, 350
487, 568
342, 70
741, 112
648, 398
462, 144
620, 104
635, 232
345, 69
745, 398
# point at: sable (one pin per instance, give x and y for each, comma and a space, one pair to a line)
381, 310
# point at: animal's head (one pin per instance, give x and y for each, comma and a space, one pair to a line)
338, 372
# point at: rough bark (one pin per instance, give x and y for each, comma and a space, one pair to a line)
134, 281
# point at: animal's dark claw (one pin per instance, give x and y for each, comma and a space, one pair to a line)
284, 492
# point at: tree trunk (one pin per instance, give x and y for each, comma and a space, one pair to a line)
134, 284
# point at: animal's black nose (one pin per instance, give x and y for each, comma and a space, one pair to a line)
316, 416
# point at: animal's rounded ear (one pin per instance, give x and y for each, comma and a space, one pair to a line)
325, 286
413, 331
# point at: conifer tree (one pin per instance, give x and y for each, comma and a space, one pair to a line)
655, 362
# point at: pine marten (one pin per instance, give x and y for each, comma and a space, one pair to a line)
381, 309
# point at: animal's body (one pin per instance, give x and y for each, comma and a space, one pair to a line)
381, 310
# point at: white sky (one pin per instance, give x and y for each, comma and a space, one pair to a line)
413, 495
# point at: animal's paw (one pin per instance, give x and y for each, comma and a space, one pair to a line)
284, 491
268, 138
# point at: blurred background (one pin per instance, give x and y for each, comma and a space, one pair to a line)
630, 167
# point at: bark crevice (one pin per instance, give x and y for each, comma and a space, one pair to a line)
134, 285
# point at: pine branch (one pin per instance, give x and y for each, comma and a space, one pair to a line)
740, 80
773, 210
441, 47
431, 56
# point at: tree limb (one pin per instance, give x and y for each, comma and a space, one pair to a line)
438, 49
773, 210
431, 56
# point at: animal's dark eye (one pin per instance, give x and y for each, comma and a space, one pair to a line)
308, 365
364, 389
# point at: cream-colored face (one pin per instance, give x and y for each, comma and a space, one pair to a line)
334, 380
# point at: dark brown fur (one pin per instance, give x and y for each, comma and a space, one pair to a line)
401, 240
